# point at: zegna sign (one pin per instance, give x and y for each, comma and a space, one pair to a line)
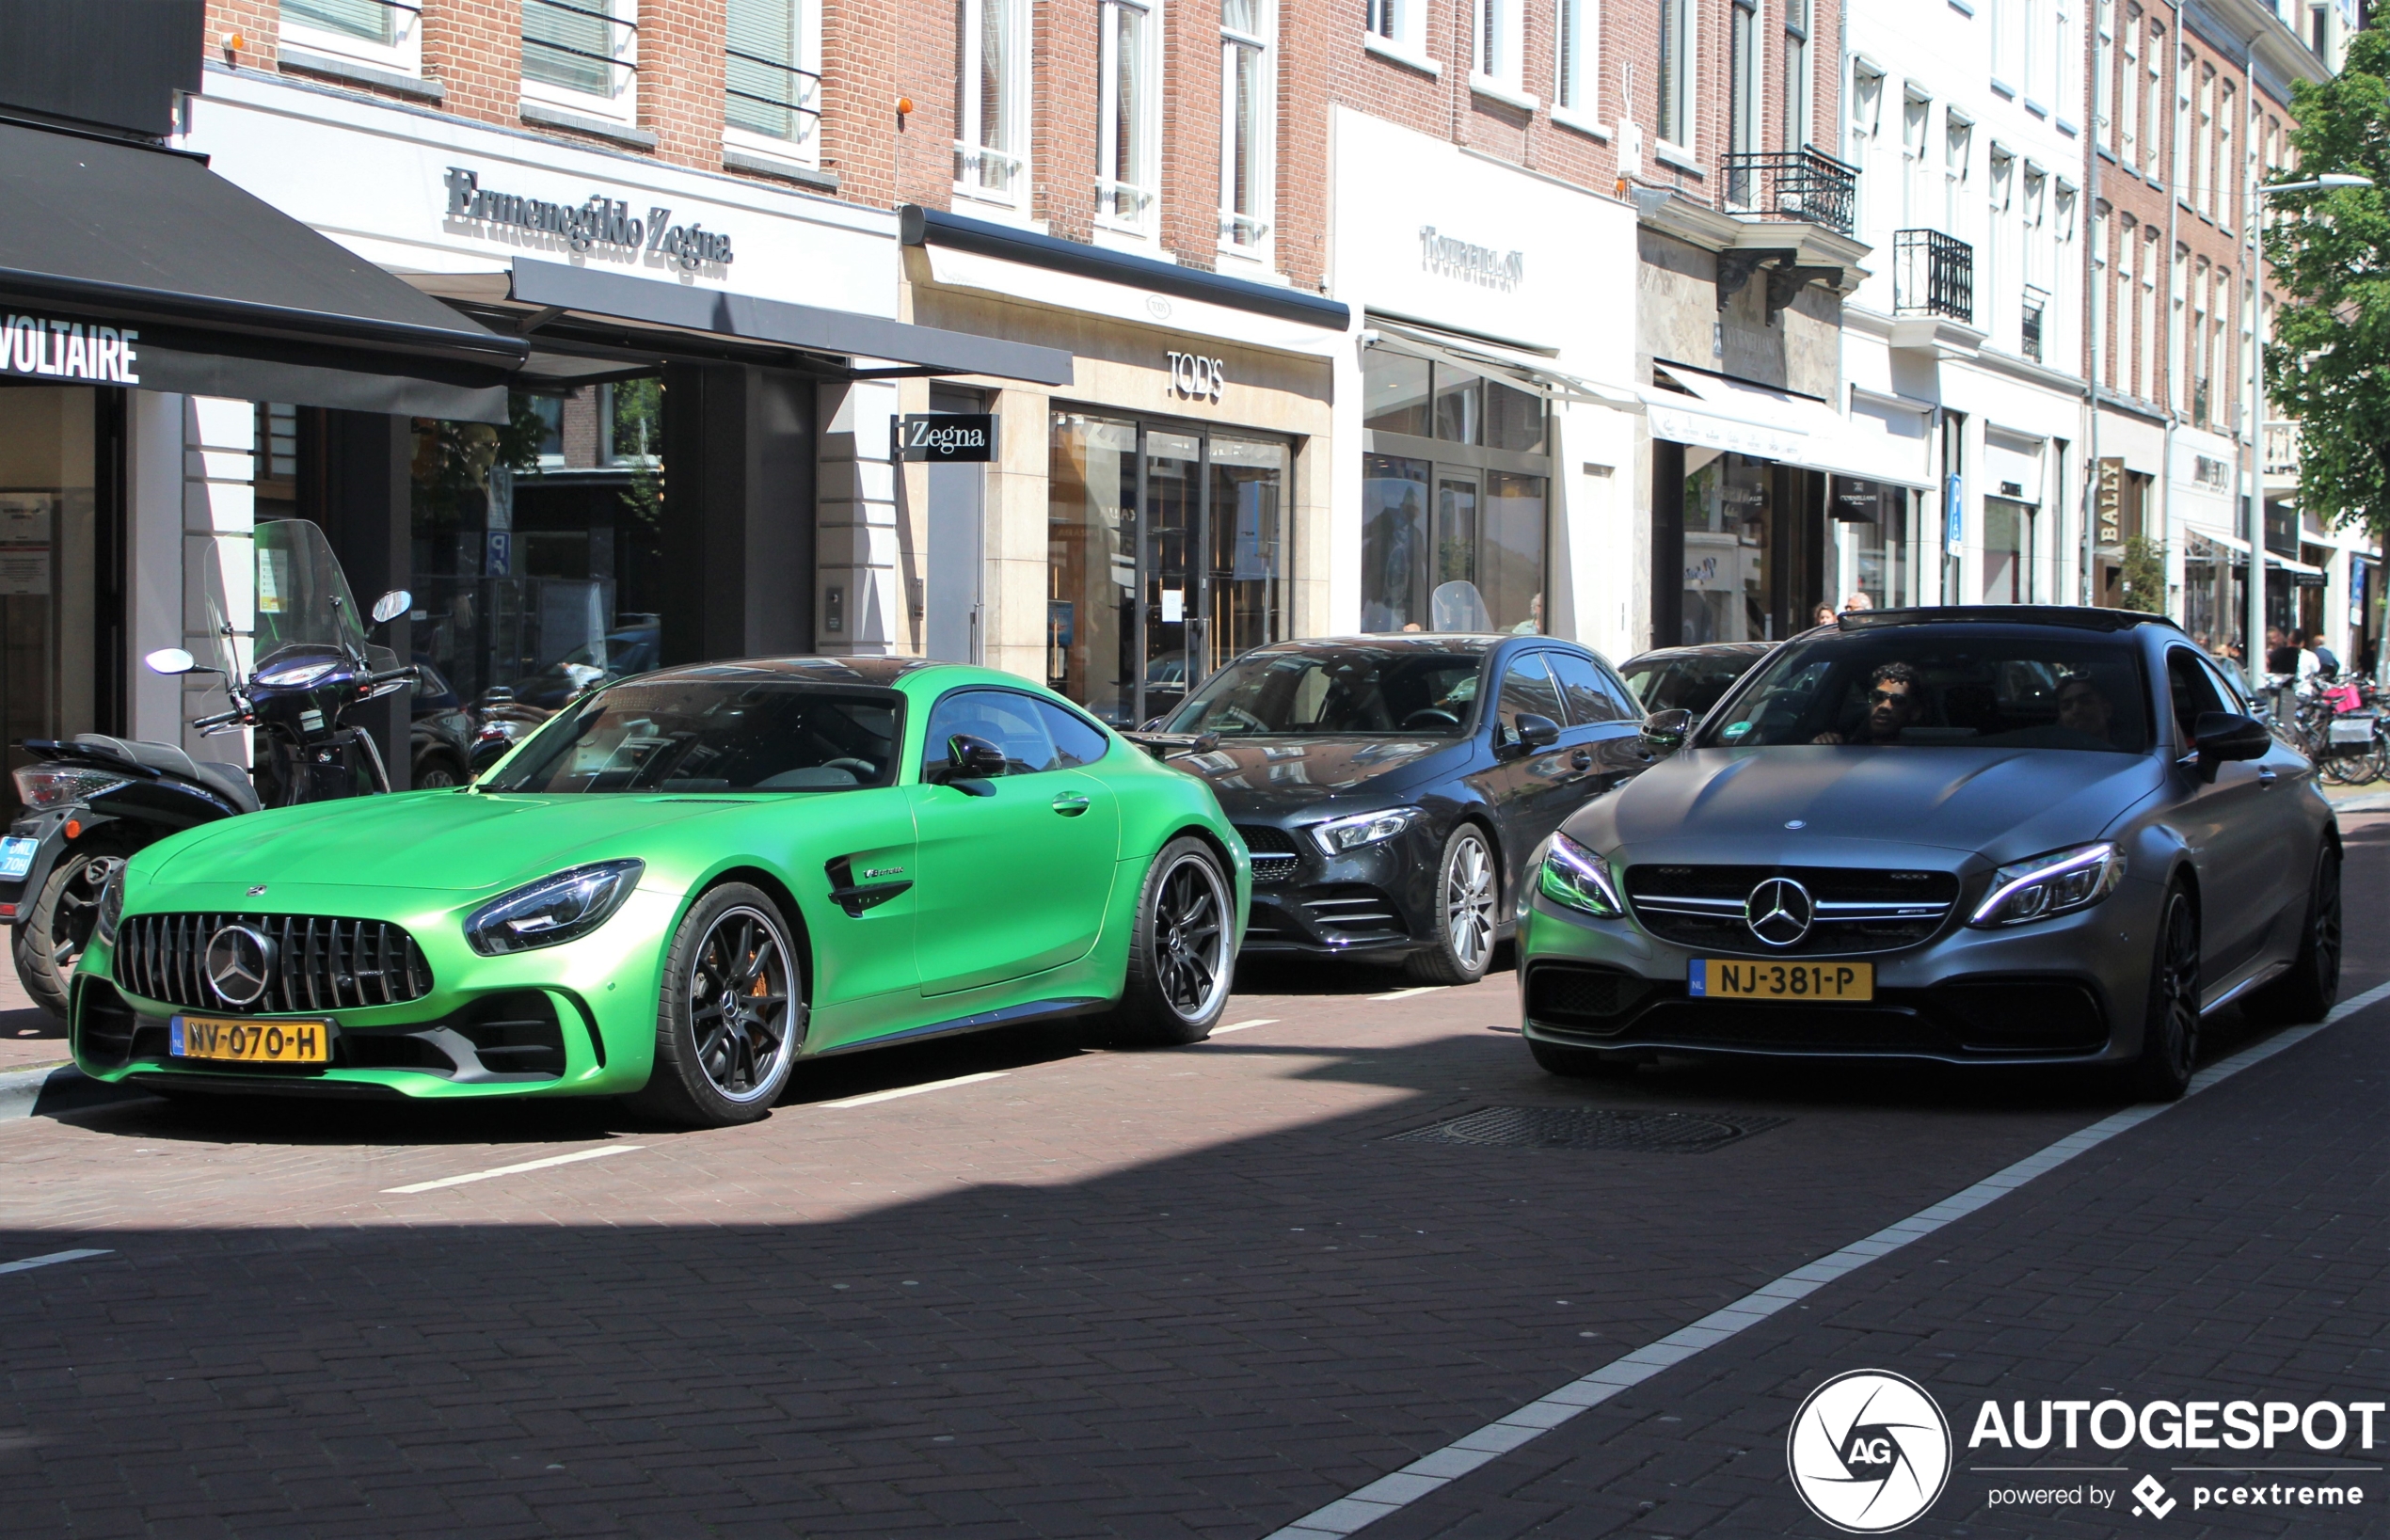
598, 222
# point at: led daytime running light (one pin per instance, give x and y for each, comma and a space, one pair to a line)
2049, 885
1337, 836
1575, 878
553, 911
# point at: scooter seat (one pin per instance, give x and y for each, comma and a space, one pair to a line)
232, 781
229, 782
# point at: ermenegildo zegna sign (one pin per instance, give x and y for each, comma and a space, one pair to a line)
952, 438
596, 221
68, 350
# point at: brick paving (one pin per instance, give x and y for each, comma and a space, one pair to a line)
1129, 1294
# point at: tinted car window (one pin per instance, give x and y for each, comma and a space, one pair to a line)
1588, 694
1526, 687
1335, 692
2194, 692
713, 734
1920, 688
1693, 682
1075, 741
1011, 722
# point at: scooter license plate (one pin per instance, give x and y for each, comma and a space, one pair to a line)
16, 858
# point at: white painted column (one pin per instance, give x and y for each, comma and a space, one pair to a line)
153, 598
219, 514
858, 602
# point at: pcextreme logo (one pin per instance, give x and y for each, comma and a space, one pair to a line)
1869, 1451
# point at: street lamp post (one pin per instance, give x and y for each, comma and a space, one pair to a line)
2254, 620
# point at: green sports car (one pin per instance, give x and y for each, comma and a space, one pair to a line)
674, 889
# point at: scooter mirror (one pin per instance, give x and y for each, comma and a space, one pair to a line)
171, 660
393, 605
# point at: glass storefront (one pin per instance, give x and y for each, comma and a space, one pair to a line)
1167, 553
1455, 498
2010, 552
1875, 545
50, 624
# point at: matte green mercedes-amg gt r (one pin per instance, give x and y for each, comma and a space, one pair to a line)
674, 890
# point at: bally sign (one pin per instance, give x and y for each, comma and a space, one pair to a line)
68, 350
945, 437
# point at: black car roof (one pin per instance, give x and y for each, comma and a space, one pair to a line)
1701, 649
2074, 617
1459, 644
828, 671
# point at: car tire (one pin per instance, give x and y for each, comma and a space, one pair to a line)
1578, 1063
1467, 913
2306, 993
437, 773
1182, 952
730, 1018
51, 937
2169, 1022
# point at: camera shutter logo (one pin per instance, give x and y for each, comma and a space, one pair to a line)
1869, 1451
1779, 911
240, 961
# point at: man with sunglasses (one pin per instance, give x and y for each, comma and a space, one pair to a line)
1894, 701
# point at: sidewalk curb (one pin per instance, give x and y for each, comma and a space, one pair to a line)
2371, 801
47, 1093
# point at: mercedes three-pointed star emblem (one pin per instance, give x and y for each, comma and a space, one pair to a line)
239, 964
1779, 911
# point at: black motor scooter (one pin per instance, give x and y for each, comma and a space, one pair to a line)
92, 800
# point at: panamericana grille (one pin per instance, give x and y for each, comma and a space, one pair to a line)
1275, 853
1857, 910
320, 963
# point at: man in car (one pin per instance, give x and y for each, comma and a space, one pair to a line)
1895, 702
2083, 708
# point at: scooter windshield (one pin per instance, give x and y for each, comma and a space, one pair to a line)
302, 595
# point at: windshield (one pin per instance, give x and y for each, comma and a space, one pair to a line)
1691, 681
302, 596
702, 735
1919, 686
1337, 691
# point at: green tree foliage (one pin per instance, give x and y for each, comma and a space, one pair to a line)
2143, 577
2328, 365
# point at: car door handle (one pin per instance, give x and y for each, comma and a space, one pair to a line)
1582, 759
2266, 777
1071, 804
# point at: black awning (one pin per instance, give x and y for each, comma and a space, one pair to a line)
913, 350
229, 294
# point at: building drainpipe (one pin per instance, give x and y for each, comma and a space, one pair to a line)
2253, 645
2174, 271
2092, 313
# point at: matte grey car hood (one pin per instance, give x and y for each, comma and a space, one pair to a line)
1853, 804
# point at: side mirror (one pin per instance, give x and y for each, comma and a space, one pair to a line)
1667, 731
170, 661
393, 605
970, 758
2219, 736
1537, 732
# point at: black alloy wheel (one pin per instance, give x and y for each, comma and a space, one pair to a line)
54, 933
1183, 951
732, 1016
2308, 992
2169, 1028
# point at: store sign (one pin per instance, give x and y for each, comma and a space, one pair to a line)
1192, 375
944, 438
598, 223
2108, 501
68, 350
1856, 501
1452, 257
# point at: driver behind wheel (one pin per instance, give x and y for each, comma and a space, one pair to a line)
1895, 700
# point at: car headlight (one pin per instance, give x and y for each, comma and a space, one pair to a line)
1337, 836
111, 906
44, 786
1575, 878
2056, 883
554, 909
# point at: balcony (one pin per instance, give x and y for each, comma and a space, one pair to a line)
1811, 187
1933, 274
2282, 449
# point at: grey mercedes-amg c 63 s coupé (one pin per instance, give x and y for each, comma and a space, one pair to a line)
2007, 835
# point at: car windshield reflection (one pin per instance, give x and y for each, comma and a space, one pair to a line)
709, 735
1338, 691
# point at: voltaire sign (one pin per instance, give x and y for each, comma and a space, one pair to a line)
1450, 256
598, 222
68, 350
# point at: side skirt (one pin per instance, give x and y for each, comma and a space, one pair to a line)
1034, 1011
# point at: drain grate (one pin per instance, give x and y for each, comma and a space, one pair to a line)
1593, 1128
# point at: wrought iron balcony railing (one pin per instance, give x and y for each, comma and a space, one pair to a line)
1811, 186
1933, 274
2282, 449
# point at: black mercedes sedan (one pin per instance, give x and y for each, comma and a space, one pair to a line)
1391, 787
1692, 679
1997, 834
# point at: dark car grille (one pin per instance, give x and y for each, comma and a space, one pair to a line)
320, 963
1857, 910
1275, 853
1350, 913
1574, 995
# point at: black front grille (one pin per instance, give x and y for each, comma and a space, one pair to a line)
1275, 853
1859, 910
320, 963
1571, 995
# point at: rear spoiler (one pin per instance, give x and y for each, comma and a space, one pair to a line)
1165, 745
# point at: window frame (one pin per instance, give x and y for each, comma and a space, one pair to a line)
805, 44
619, 106
1135, 170
1576, 65
1673, 122
1263, 246
1398, 29
1498, 27
973, 143
403, 54
1798, 67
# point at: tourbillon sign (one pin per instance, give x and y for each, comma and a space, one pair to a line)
597, 222
945, 437
1454, 258
68, 350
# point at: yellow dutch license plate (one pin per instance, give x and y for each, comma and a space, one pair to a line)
1715, 979
242, 1042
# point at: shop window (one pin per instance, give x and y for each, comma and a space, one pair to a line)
49, 501
1576, 59
1129, 114
582, 54
631, 423
2008, 553
991, 97
1248, 122
772, 80
1167, 553
1731, 549
1876, 548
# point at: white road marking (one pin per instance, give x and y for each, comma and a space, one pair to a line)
599, 1153
29, 1263
1390, 1494
1240, 1026
917, 1090
1405, 995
